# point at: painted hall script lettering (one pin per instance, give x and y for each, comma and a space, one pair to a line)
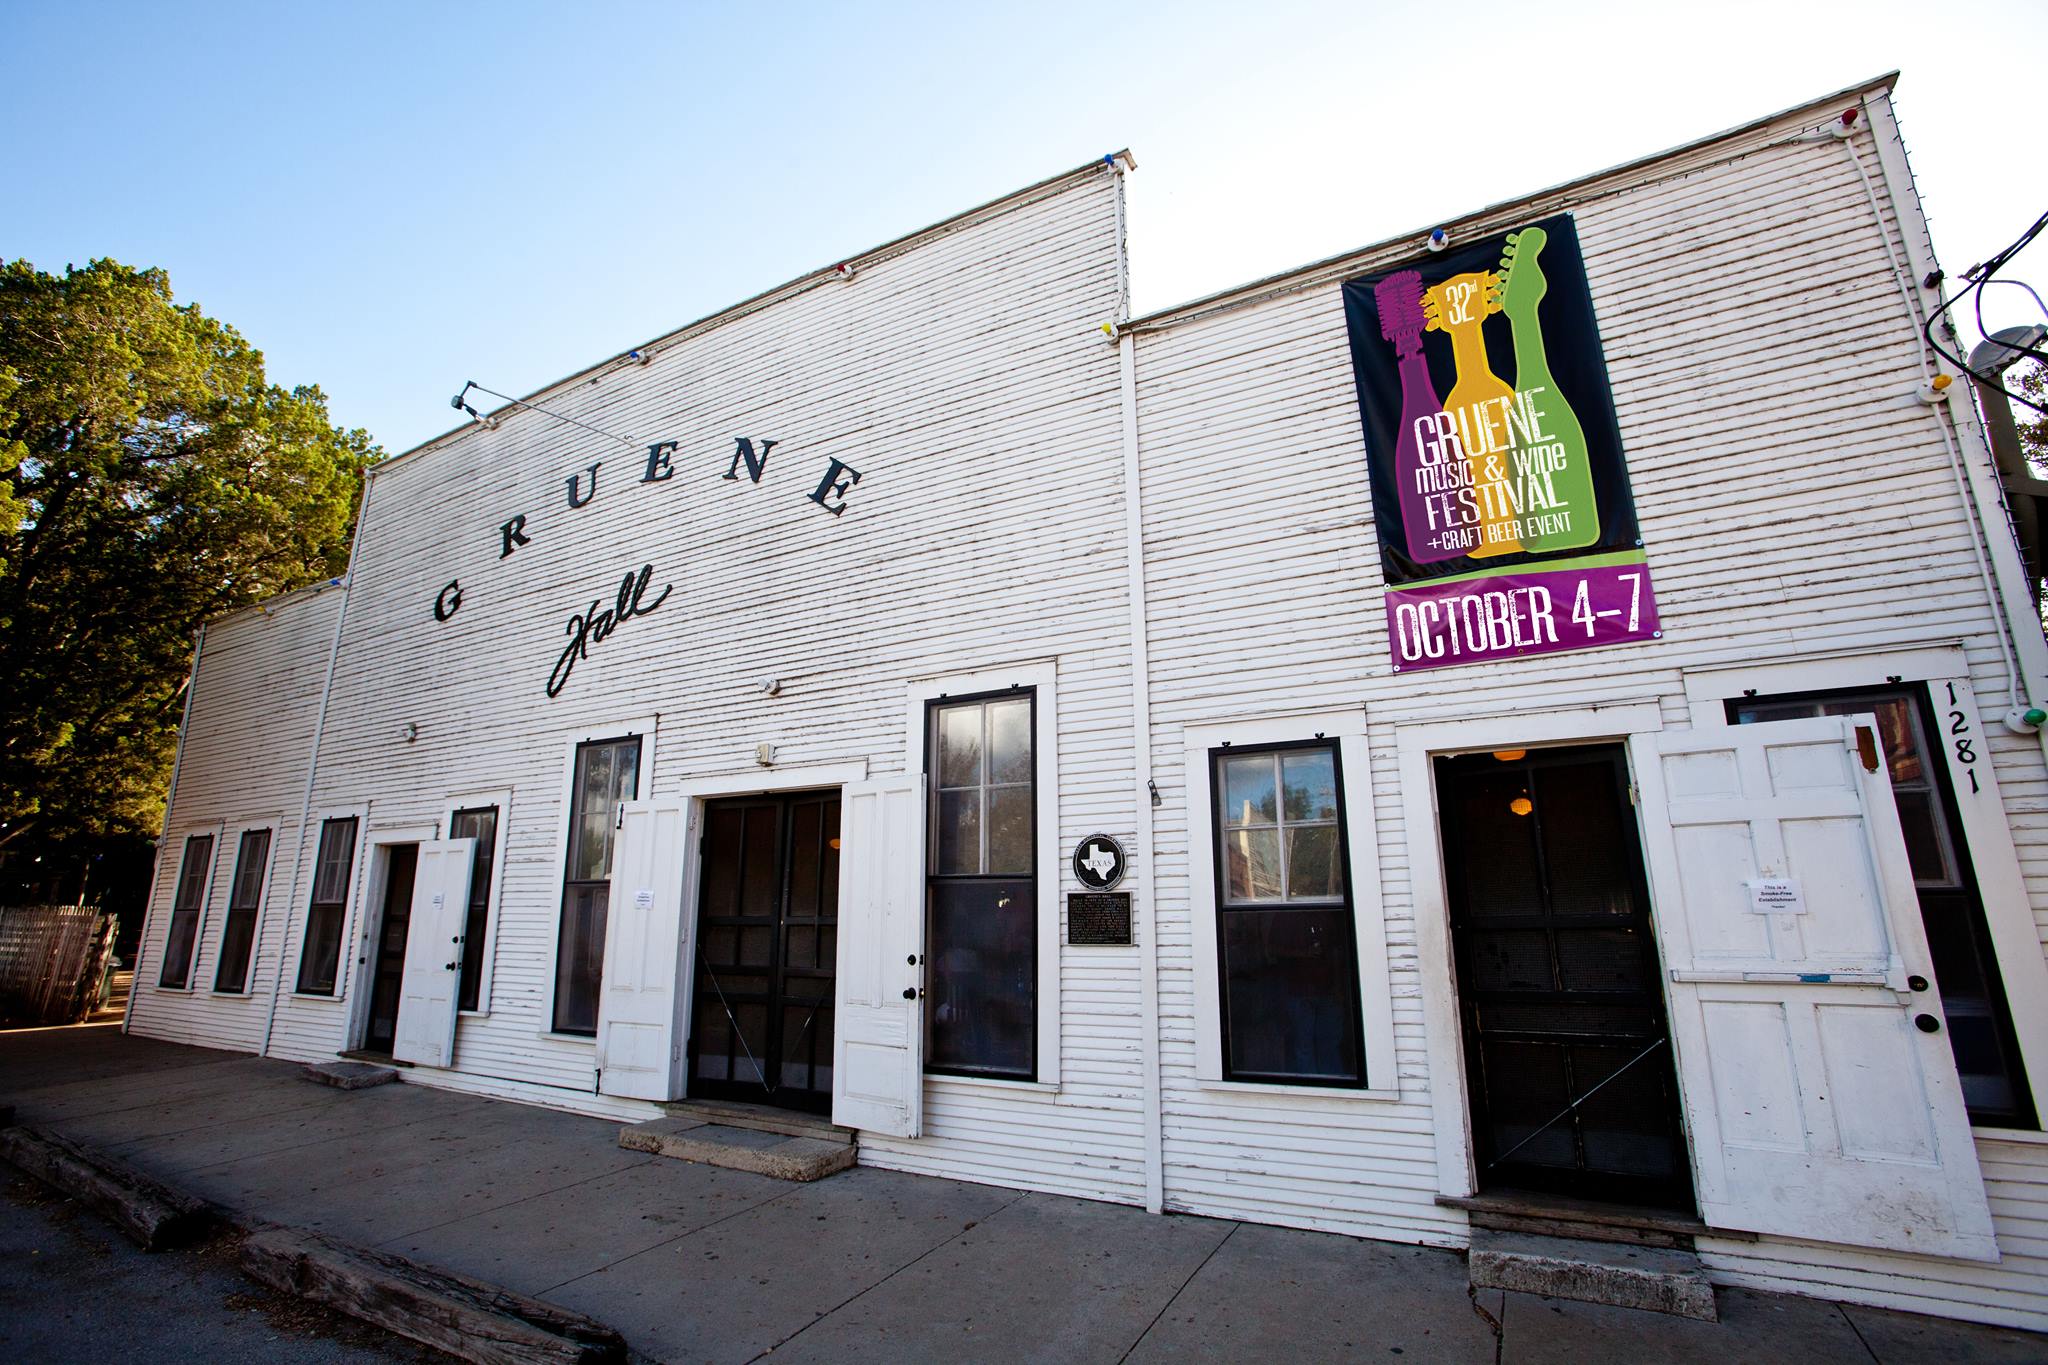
591, 626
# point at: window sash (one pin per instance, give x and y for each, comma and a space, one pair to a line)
989, 1032
182, 935
606, 773
320, 953
238, 933
481, 824
1245, 918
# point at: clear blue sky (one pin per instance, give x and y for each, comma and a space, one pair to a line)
392, 198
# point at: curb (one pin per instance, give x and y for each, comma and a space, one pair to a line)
469, 1319
153, 1215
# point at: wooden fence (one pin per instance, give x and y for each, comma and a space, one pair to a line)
53, 959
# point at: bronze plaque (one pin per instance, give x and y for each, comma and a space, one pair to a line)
1099, 918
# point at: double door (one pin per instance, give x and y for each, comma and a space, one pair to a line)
767, 945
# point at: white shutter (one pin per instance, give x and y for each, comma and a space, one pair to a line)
878, 1038
638, 1048
1818, 1106
425, 1031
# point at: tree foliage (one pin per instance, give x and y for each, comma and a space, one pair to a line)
150, 478
2031, 382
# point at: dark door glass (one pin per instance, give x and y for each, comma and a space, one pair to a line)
480, 824
1568, 1060
767, 951
607, 773
388, 972
1980, 1028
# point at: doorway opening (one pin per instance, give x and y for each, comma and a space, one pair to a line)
387, 970
767, 950
1568, 1058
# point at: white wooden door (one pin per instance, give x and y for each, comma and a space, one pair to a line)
427, 987
1813, 1057
878, 1041
639, 1045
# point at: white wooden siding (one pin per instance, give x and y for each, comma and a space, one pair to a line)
967, 379
242, 765
1794, 498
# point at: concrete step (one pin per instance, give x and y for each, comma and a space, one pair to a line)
764, 1118
1660, 1280
1556, 1215
741, 1149
349, 1075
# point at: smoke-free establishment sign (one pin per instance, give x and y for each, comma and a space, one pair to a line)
1505, 522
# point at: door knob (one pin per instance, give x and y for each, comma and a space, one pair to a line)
1917, 983
1926, 1023
448, 966
910, 992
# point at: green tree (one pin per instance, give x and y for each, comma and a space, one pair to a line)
150, 478
2031, 382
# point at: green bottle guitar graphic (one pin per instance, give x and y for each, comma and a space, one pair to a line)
1551, 464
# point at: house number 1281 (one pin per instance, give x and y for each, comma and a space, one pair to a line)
1962, 738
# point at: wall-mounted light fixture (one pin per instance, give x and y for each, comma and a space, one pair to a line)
411, 732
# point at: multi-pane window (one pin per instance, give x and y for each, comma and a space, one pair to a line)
981, 936
186, 903
320, 957
607, 773
1980, 1027
480, 824
1286, 946
244, 896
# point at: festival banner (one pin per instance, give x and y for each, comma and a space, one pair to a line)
1501, 497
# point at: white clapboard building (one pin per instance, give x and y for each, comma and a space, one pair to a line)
925, 695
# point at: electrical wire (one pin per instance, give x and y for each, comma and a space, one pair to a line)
1979, 276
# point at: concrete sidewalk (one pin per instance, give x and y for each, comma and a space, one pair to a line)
693, 1263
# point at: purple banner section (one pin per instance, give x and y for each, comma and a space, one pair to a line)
1508, 615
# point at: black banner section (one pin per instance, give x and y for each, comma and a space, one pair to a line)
1488, 418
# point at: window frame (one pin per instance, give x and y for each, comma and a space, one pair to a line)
933, 709
1052, 877
270, 851
501, 800
645, 730
1345, 732
1220, 831
193, 955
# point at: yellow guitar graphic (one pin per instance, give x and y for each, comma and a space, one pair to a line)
1477, 404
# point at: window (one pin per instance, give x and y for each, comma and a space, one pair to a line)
1980, 1027
320, 956
246, 893
607, 773
186, 902
1286, 949
981, 929
480, 824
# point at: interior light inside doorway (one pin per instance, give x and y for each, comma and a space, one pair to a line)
1521, 805
1510, 755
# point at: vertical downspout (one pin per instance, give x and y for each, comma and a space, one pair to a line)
164, 831
347, 582
1141, 726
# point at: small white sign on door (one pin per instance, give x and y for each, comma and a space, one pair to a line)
643, 899
1775, 896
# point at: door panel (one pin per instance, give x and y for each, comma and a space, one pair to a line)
637, 1049
878, 1047
1822, 1097
433, 953
387, 973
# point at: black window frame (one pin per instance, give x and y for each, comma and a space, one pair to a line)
483, 867
1352, 1001
329, 909
2026, 1113
245, 901
572, 847
933, 878
188, 909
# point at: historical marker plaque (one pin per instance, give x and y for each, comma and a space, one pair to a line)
1099, 918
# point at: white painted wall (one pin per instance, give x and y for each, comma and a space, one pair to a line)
1795, 499
255, 700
